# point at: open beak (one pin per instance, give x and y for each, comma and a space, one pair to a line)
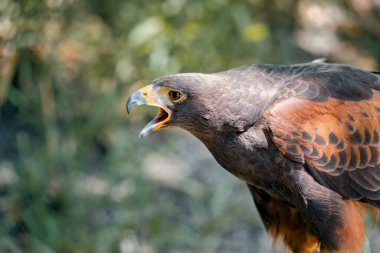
145, 96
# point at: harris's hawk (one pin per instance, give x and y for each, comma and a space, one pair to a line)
304, 138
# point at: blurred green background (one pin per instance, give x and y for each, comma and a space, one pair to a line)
74, 177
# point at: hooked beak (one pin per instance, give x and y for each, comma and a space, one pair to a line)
135, 98
145, 96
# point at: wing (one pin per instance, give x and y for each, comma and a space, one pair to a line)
330, 121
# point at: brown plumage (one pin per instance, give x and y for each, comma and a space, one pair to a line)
305, 139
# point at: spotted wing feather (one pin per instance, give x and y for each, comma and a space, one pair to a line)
333, 127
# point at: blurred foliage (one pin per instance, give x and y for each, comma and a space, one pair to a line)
73, 175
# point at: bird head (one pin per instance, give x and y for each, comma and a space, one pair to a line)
203, 104
180, 100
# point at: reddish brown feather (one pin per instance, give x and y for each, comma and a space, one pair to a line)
351, 237
307, 127
288, 225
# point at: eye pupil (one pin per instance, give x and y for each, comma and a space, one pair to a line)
175, 95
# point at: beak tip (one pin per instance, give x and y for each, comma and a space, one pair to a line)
135, 98
147, 130
128, 105
141, 135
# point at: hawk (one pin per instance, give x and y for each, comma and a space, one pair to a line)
304, 138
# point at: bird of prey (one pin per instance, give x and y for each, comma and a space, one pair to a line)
304, 138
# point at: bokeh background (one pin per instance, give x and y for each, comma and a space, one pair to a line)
74, 177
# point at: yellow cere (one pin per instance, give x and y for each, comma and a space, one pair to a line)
156, 97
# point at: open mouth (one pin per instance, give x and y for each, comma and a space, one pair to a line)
158, 122
161, 116
143, 97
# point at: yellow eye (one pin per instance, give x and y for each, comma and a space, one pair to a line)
175, 95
